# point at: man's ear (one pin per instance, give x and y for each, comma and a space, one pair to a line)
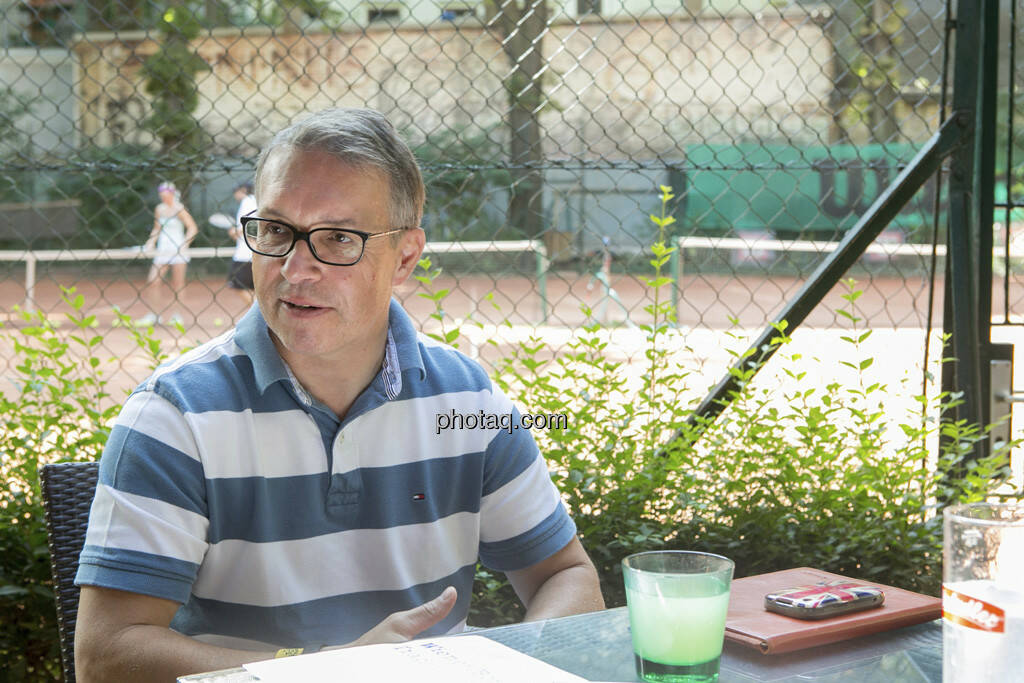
410, 248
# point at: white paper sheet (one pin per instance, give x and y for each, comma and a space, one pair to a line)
465, 659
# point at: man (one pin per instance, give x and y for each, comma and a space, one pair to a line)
240, 272
283, 485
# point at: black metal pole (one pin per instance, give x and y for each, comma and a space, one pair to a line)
964, 217
1011, 112
985, 191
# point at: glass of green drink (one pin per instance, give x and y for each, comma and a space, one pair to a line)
677, 606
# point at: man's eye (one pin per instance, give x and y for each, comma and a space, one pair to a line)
275, 228
339, 237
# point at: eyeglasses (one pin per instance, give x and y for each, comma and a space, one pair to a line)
333, 246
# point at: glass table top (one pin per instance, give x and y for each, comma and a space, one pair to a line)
597, 647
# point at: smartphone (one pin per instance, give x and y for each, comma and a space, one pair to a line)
824, 600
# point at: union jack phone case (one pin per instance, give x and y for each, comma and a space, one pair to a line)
823, 600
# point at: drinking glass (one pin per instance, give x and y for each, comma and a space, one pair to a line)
677, 604
982, 592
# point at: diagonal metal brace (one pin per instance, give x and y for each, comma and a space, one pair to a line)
952, 133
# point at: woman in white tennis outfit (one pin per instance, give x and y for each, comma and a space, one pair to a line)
173, 230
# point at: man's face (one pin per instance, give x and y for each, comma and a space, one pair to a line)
317, 312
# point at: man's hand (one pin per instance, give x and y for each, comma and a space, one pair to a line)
402, 626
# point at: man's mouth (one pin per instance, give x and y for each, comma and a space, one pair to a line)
295, 306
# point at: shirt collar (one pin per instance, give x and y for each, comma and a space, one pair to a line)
407, 345
401, 352
253, 337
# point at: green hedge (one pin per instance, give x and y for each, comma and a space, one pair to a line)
59, 410
814, 479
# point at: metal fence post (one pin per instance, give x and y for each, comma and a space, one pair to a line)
30, 282
540, 253
676, 265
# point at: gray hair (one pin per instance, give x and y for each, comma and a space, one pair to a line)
360, 138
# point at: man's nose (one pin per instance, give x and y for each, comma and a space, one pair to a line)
300, 264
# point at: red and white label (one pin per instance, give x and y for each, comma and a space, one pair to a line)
971, 612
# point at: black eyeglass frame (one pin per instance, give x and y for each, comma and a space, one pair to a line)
300, 236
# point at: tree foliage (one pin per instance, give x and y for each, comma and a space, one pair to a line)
114, 185
171, 81
460, 184
869, 87
13, 106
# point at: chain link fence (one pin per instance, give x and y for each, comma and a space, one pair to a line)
544, 130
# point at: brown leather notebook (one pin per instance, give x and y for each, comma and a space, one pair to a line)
750, 624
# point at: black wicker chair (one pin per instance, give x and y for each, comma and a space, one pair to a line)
68, 489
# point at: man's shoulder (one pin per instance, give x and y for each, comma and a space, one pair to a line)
204, 378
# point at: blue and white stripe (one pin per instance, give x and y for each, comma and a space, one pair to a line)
225, 487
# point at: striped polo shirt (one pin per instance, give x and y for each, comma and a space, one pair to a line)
228, 488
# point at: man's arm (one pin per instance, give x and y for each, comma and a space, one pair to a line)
125, 637
122, 636
563, 584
